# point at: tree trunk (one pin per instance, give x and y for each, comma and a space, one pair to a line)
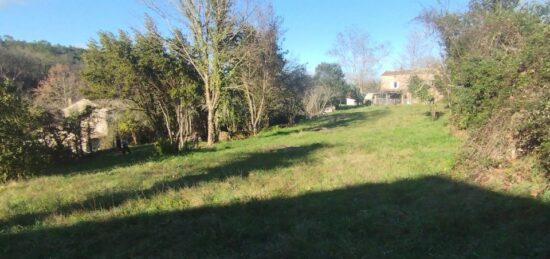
211, 126
432, 108
134, 138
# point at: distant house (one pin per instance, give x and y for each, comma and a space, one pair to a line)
96, 129
394, 86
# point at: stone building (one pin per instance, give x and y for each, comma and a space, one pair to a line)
94, 128
394, 86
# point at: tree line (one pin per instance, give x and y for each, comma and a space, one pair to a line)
221, 74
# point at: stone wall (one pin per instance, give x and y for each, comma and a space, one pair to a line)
398, 81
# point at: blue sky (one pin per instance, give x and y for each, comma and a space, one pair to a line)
310, 26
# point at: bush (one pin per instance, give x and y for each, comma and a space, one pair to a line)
534, 129
544, 157
164, 147
533, 135
21, 154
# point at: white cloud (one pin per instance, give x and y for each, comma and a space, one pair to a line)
6, 3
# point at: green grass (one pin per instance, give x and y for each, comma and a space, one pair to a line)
367, 182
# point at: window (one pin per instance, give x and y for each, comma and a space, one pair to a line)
395, 85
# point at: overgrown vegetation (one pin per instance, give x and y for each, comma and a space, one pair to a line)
219, 74
360, 182
20, 152
497, 56
421, 90
329, 88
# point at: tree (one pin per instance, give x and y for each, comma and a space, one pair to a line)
20, 67
496, 59
421, 90
78, 125
214, 29
59, 89
259, 74
359, 56
332, 76
329, 87
418, 52
26, 63
20, 153
479, 46
132, 123
296, 82
146, 71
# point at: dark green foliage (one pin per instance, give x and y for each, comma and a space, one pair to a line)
134, 125
420, 89
20, 153
489, 52
288, 107
144, 70
424, 92
79, 126
498, 57
53, 130
479, 85
164, 147
331, 75
232, 113
533, 135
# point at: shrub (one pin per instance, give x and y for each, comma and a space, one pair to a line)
164, 147
21, 154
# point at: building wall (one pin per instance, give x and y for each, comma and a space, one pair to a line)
98, 124
401, 80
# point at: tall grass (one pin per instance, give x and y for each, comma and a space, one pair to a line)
368, 181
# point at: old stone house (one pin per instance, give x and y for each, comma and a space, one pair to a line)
94, 128
394, 86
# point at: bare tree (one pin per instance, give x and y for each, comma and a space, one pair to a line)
318, 98
418, 52
214, 28
59, 89
260, 70
359, 56
329, 87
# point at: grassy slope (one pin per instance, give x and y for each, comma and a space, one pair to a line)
362, 182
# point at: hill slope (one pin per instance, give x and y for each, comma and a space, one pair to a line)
26, 63
362, 182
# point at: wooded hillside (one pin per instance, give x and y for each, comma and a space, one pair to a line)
26, 63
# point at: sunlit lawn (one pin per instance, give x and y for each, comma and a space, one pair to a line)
366, 182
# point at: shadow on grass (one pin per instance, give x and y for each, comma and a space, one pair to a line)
431, 217
241, 167
332, 121
110, 159
347, 119
105, 160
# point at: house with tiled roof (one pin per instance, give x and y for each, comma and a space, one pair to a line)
394, 86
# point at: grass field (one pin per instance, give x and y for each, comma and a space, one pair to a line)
367, 182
